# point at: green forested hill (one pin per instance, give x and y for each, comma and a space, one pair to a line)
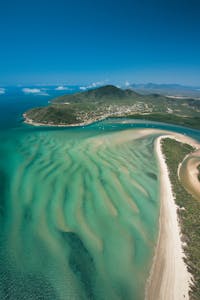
106, 101
108, 93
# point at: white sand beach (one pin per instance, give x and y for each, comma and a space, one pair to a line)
169, 278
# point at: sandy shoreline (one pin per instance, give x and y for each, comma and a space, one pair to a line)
169, 278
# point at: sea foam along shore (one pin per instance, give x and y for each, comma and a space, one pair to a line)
169, 277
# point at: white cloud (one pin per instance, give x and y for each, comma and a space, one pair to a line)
83, 88
96, 84
2, 91
31, 91
127, 83
62, 88
36, 91
92, 85
43, 93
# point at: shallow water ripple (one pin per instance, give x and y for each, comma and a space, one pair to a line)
80, 215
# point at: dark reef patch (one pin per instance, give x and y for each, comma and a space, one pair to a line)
81, 263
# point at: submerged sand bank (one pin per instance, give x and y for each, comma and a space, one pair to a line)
169, 278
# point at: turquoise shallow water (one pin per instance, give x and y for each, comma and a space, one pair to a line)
79, 216
79, 211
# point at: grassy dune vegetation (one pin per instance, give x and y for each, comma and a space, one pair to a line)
189, 211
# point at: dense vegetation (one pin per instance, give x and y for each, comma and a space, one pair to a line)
51, 115
188, 211
111, 101
108, 94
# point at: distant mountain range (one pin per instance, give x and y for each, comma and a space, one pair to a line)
107, 94
53, 91
167, 89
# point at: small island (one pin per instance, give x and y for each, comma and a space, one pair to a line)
86, 107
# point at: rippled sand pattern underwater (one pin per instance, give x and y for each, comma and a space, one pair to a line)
79, 214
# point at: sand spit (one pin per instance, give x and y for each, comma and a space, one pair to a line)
169, 278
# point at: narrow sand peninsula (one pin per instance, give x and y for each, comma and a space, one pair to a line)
169, 278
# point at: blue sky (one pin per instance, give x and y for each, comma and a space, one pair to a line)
77, 42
